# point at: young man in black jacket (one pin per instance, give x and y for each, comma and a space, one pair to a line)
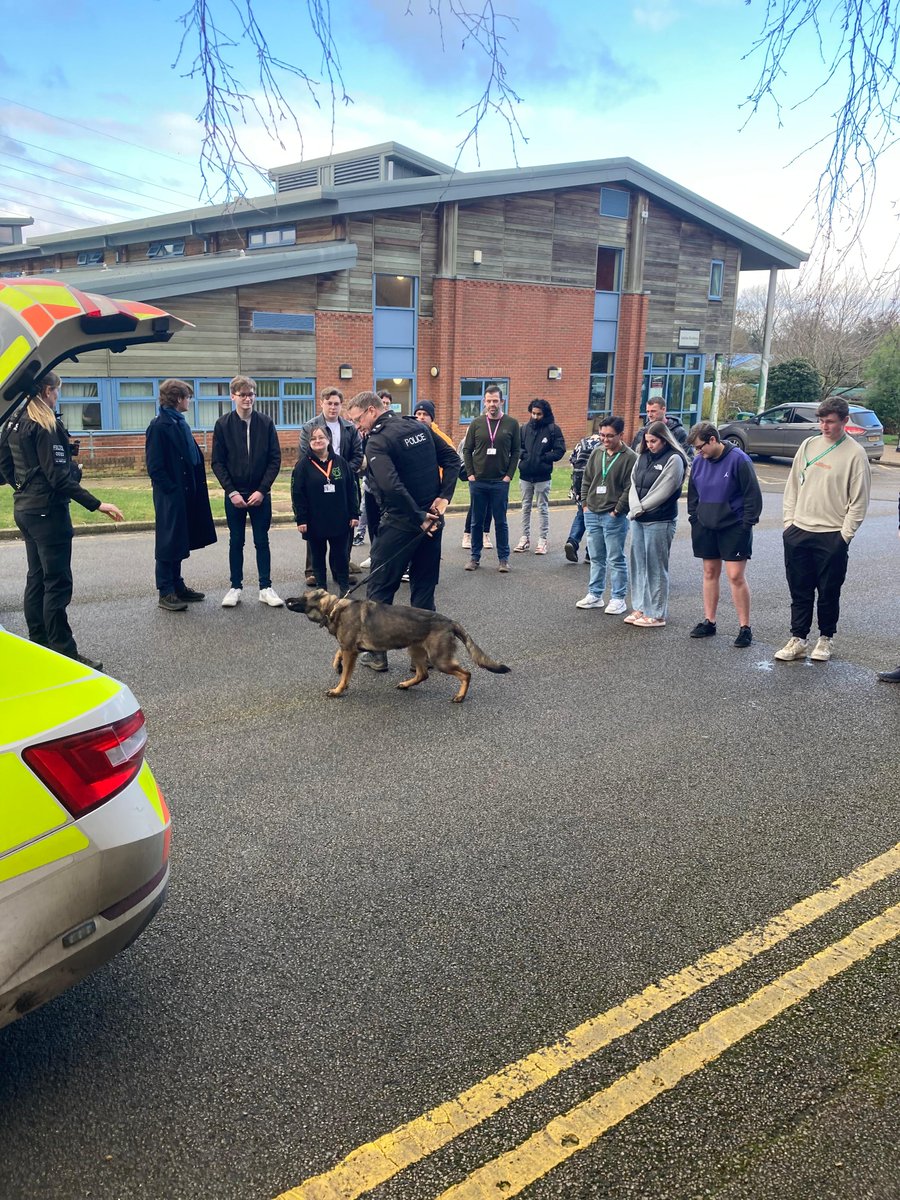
246, 458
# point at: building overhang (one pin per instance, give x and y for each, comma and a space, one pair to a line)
206, 273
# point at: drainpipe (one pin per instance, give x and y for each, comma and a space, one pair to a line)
767, 342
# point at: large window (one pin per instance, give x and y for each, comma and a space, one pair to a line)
600, 397
471, 393
137, 402
394, 291
401, 393
171, 249
212, 399
676, 379
80, 405
614, 202
289, 402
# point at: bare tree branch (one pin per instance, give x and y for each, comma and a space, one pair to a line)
857, 42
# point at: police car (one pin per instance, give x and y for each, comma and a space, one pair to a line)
84, 829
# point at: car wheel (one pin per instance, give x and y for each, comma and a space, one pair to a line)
733, 440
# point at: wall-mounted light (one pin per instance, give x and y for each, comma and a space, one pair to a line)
345, 371
435, 371
476, 257
554, 372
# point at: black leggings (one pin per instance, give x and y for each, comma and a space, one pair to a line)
48, 587
338, 560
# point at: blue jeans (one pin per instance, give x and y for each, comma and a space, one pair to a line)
576, 533
651, 542
606, 536
489, 497
260, 520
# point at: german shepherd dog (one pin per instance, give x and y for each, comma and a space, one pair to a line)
370, 625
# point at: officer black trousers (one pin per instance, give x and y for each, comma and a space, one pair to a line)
814, 563
396, 547
48, 587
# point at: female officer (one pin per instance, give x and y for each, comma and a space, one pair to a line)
36, 458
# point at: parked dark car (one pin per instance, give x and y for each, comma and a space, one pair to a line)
778, 431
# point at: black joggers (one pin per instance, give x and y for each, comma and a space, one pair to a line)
815, 563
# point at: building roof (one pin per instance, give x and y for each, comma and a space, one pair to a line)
759, 250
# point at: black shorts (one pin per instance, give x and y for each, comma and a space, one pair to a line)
732, 544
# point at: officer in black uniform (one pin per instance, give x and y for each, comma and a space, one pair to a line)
413, 473
36, 458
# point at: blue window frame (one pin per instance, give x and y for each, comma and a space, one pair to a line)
716, 278
600, 396
133, 403
614, 202
82, 406
471, 394
677, 380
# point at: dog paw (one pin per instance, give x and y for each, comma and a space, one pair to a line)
335, 691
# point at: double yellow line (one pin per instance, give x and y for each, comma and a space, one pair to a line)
376, 1162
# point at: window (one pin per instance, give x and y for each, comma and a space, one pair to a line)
716, 278
600, 396
166, 249
212, 399
394, 291
471, 393
283, 322
609, 269
289, 402
614, 202
80, 405
281, 235
401, 393
137, 403
89, 258
8, 235
676, 380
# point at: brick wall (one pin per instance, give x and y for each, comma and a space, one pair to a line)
632, 334
343, 337
486, 328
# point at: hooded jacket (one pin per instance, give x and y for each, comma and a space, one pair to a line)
656, 482
542, 445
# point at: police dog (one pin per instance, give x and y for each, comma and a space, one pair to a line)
370, 625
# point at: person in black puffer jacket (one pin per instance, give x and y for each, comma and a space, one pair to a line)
542, 445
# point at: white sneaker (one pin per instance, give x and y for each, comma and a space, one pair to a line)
486, 542
824, 649
467, 541
232, 598
616, 606
589, 601
404, 578
541, 548
365, 564
270, 596
795, 648
523, 545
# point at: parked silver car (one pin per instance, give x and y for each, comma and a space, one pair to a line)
778, 431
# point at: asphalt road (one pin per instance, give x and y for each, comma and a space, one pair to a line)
379, 901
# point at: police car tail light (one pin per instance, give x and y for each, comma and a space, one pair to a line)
85, 770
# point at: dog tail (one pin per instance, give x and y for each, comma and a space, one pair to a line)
476, 654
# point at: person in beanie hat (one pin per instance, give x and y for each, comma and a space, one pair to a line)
424, 412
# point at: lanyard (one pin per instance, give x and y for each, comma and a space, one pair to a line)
604, 469
492, 433
326, 473
811, 461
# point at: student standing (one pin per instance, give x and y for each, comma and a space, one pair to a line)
326, 508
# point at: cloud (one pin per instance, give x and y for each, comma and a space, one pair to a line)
655, 15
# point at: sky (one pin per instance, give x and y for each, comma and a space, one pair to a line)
98, 122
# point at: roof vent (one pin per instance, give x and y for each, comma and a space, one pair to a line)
356, 170
298, 179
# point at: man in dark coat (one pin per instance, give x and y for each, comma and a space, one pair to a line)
246, 459
180, 497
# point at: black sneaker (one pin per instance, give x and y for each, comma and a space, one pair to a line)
571, 551
889, 676
704, 628
190, 595
744, 637
88, 662
376, 660
172, 603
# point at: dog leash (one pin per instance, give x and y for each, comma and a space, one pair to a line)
405, 550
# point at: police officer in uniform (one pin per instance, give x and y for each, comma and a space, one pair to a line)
36, 458
405, 460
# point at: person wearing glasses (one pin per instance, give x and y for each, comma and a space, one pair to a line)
246, 459
184, 519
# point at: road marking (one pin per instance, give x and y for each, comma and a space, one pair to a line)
375, 1162
584, 1124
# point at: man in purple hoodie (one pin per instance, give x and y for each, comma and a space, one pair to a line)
724, 503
